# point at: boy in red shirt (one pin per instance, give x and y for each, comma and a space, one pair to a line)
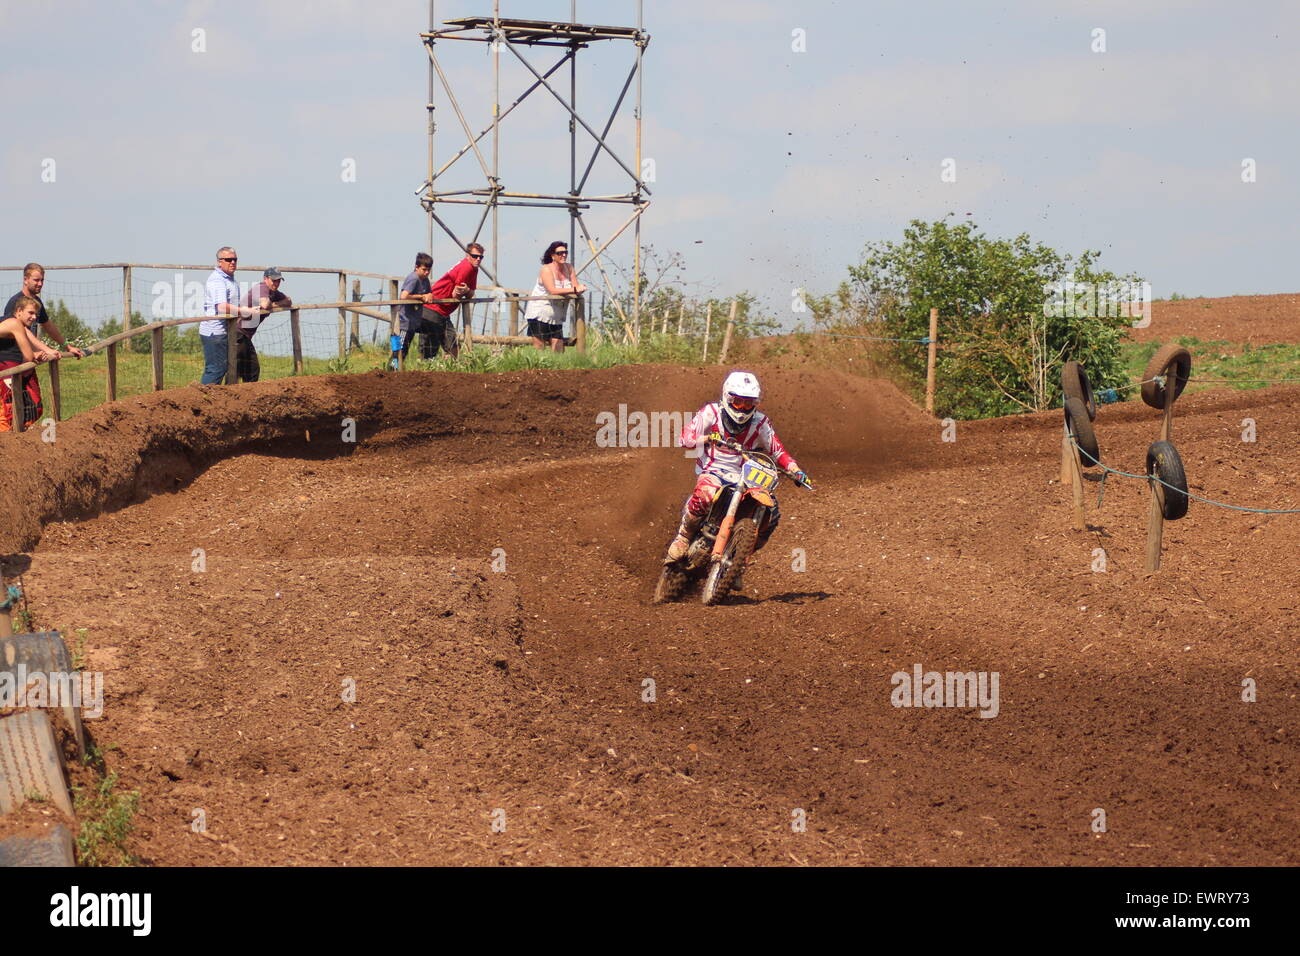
459, 282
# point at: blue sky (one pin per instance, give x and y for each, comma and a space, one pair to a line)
772, 167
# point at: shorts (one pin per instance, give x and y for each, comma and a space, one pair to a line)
33, 409
545, 330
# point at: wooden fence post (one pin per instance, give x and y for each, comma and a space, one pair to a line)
126, 299
343, 316
467, 324
156, 347
110, 381
580, 324
17, 401
232, 350
355, 341
295, 330
930, 359
726, 337
56, 396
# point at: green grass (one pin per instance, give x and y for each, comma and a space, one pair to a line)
107, 818
83, 383
1244, 366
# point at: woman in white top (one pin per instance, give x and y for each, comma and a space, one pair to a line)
546, 316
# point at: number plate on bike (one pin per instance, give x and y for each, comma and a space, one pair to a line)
759, 475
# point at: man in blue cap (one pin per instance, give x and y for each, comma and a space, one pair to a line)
262, 298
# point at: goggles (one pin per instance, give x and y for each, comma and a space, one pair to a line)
742, 403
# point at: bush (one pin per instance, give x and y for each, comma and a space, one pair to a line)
1000, 353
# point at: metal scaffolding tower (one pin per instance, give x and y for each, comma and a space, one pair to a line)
511, 36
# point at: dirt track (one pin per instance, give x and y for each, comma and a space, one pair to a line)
522, 690
1257, 319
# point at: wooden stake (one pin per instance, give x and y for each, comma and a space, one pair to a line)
1076, 480
1065, 457
1167, 426
929, 361
708, 321
726, 336
1155, 526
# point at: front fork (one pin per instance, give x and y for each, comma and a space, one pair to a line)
724, 528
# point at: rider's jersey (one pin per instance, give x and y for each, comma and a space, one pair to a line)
758, 435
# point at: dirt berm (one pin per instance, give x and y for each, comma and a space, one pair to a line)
434, 644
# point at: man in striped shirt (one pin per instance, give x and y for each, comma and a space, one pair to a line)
220, 298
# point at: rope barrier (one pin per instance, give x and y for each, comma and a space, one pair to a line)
869, 338
1233, 381
1218, 504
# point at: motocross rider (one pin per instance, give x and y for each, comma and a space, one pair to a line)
735, 417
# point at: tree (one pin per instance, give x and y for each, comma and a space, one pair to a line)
1000, 347
77, 332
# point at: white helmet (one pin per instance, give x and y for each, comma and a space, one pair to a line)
740, 395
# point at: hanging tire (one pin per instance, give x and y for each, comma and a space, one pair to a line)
723, 573
1164, 462
43, 652
1075, 384
31, 763
1174, 364
1080, 425
54, 848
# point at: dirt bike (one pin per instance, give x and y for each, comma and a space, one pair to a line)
729, 532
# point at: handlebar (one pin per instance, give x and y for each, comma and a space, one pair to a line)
734, 446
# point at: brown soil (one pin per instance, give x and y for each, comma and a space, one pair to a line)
1257, 319
521, 691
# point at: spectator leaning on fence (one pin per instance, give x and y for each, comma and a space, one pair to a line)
17, 348
259, 300
415, 287
459, 282
33, 282
220, 297
546, 316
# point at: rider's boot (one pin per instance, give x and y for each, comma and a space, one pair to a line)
689, 527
